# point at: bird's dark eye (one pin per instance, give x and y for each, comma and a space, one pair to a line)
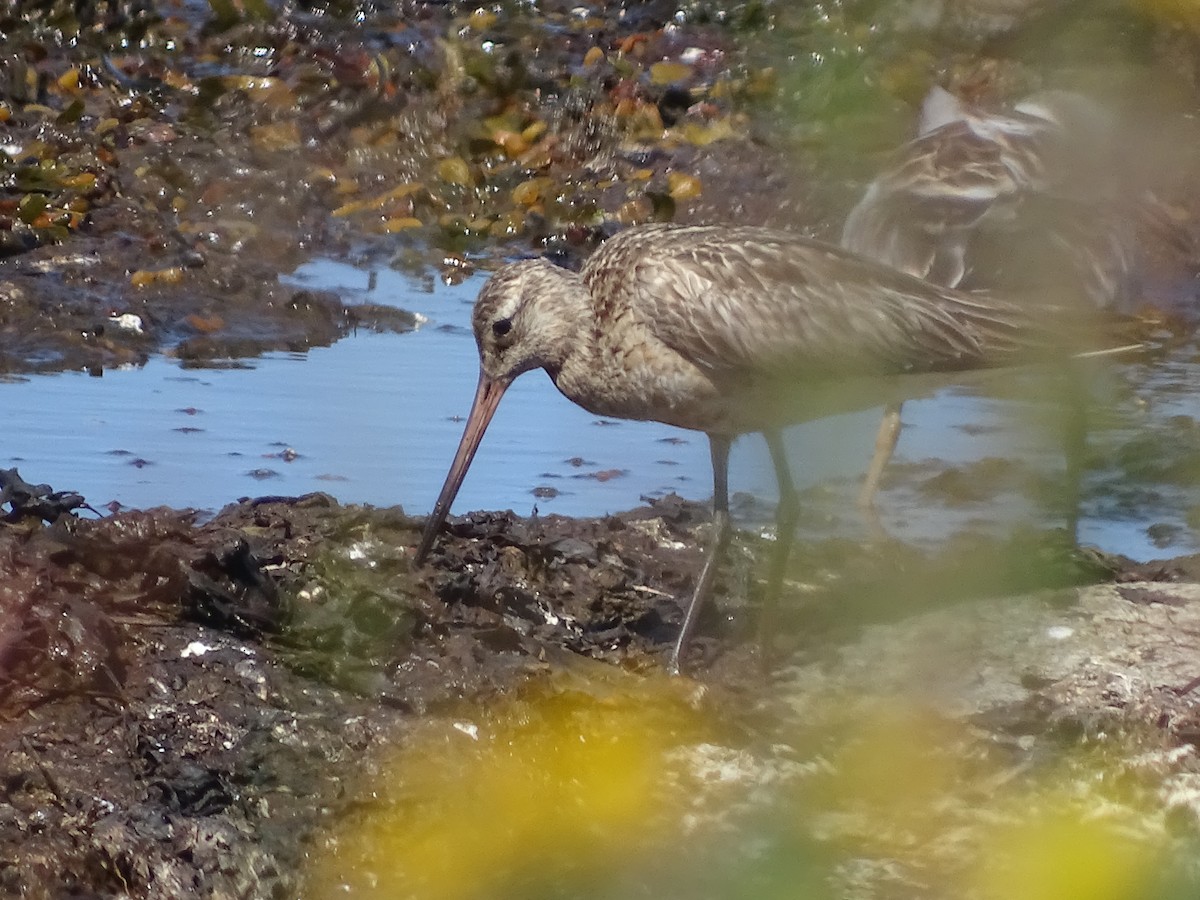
501, 327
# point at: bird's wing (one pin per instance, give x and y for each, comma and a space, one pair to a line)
918, 214
753, 299
1079, 254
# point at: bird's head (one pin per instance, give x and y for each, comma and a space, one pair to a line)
526, 318
521, 319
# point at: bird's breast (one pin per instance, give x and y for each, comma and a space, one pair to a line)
639, 378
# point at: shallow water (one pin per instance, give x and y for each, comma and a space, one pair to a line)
376, 418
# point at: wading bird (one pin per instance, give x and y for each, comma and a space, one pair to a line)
725, 331
1024, 203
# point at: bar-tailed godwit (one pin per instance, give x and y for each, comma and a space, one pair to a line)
724, 330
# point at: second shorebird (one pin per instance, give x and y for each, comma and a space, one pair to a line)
1025, 203
725, 331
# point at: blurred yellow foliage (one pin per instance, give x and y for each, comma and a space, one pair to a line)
896, 761
1183, 12
585, 786
546, 790
905, 784
1063, 857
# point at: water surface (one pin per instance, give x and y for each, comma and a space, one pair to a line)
376, 418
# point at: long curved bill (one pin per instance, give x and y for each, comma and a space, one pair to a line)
487, 398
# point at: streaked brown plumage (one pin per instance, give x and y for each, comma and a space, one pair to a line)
1024, 203
725, 331
977, 184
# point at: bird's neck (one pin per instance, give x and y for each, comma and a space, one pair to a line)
564, 318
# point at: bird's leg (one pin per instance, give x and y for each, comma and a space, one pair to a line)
719, 446
1075, 432
786, 514
885, 446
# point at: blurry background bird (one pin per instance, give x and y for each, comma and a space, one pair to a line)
1027, 203
1019, 201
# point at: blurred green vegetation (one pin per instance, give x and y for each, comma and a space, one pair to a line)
351, 615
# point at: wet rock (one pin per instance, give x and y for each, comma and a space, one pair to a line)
185, 702
38, 500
